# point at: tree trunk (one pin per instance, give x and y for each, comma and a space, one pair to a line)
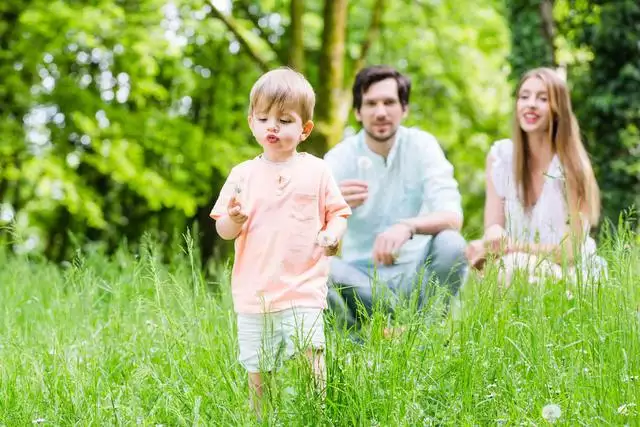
548, 26
296, 51
532, 35
330, 93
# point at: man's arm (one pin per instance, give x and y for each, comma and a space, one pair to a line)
433, 223
335, 217
441, 194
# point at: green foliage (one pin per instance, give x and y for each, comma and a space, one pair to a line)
131, 340
610, 106
117, 113
529, 47
118, 118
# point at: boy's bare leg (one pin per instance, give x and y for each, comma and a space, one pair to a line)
256, 386
318, 368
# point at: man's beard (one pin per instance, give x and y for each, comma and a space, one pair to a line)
390, 137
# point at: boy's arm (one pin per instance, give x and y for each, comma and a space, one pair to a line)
336, 227
227, 211
336, 212
227, 228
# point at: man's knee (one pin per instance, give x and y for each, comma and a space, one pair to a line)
447, 259
447, 248
350, 285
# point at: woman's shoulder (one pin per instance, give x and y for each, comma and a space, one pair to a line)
502, 150
501, 155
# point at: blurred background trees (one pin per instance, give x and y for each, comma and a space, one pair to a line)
120, 117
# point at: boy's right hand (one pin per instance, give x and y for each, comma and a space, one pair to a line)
328, 242
234, 210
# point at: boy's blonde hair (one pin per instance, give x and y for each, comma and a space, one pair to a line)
285, 89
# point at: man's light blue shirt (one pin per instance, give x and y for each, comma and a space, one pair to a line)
415, 179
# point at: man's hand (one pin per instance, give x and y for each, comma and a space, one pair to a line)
354, 191
389, 242
328, 242
234, 210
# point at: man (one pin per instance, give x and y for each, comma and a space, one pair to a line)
407, 212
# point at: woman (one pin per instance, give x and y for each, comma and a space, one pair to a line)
542, 197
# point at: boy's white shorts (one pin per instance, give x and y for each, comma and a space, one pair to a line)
265, 340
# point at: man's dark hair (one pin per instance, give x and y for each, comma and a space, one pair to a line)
370, 75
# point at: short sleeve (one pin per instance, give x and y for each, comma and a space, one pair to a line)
502, 170
334, 203
230, 187
440, 190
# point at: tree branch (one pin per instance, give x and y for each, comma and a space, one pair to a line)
372, 34
264, 35
296, 50
232, 25
548, 26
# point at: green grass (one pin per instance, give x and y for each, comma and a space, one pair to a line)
133, 341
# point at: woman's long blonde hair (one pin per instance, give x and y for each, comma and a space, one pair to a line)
564, 135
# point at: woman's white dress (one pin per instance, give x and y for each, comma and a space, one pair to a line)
546, 223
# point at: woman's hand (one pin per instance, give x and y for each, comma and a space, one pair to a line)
476, 254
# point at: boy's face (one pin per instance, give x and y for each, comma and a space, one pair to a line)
279, 132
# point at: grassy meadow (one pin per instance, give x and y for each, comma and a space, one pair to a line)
134, 340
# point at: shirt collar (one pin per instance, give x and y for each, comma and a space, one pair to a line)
394, 149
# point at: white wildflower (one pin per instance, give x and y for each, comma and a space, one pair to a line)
39, 421
569, 295
551, 412
624, 409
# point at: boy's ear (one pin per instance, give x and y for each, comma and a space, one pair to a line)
306, 130
250, 119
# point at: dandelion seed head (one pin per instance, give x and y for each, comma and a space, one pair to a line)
625, 409
551, 412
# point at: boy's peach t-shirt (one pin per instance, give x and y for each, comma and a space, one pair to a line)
278, 264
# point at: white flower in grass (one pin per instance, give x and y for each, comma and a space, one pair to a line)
551, 412
625, 409
39, 421
569, 295
364, 163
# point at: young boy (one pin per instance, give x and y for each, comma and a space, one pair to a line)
286, 214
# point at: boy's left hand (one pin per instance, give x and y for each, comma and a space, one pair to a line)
328, 242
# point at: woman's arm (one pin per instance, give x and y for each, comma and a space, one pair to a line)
494, 204
494, 238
